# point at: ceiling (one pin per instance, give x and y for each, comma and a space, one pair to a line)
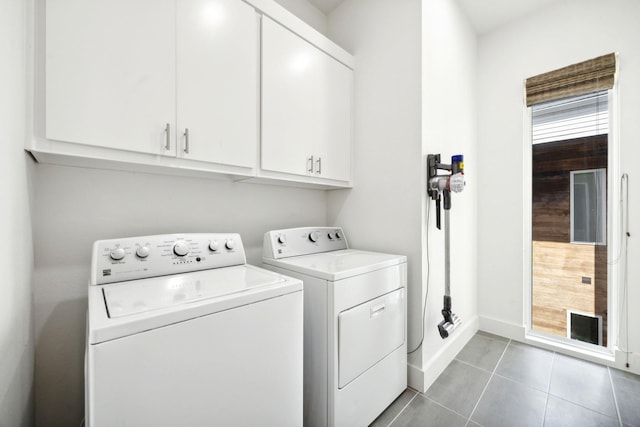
484, 15
326, 6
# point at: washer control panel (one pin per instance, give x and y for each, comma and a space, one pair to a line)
302, 241
132, 258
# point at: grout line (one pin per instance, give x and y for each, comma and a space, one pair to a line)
519, 382
403, 408
546, 403
583, 407
591, 409
615, 399
488, 382
473, 366
553, 363
442, 406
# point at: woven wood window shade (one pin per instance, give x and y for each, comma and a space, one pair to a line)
584, 77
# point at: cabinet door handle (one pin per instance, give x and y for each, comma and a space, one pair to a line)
310, 160
376, 309
186, 140
319, 165
167, 145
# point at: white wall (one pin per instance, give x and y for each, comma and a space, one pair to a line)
76, 206
385, 210
555, 36
16, 254
449, 127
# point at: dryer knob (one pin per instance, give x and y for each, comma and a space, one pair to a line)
282, 239
213, 245
314, 236
117, 254
181, 248
142, 251
338, 235
330, 236
230, 244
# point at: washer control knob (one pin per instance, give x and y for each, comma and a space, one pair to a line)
142, 251
117, 254
314, 236
330, 236
181, 248
282, 239
338, 234
213, 245
230, 244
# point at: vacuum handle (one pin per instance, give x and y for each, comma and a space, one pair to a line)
446, 195
438, 212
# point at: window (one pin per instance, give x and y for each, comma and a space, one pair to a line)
589, 206
584, 327
569, 211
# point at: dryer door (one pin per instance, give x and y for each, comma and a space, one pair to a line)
368, 332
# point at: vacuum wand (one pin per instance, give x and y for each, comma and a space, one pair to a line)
451, 321
443, 185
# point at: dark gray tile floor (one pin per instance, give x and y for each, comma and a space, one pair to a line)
497, 382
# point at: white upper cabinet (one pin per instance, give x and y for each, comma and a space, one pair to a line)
241, 88
110, 73
164, 77
306, 107
217, 85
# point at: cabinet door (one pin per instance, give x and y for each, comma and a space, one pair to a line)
288, 124
110, 73
306, 107
334, 117
217, 85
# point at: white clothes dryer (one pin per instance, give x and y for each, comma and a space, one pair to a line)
182, 332
355, 347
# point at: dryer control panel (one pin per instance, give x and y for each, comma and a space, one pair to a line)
132, 258
302, 241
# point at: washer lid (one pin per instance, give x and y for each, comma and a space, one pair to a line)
139, 296
337, 265
121, 309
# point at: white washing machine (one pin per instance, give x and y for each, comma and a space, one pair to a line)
182, 332
355, 347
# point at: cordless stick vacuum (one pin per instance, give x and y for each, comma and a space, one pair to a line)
445, 185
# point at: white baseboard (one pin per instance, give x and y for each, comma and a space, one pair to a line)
504, 329
415, 377
421, 378
621, 360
